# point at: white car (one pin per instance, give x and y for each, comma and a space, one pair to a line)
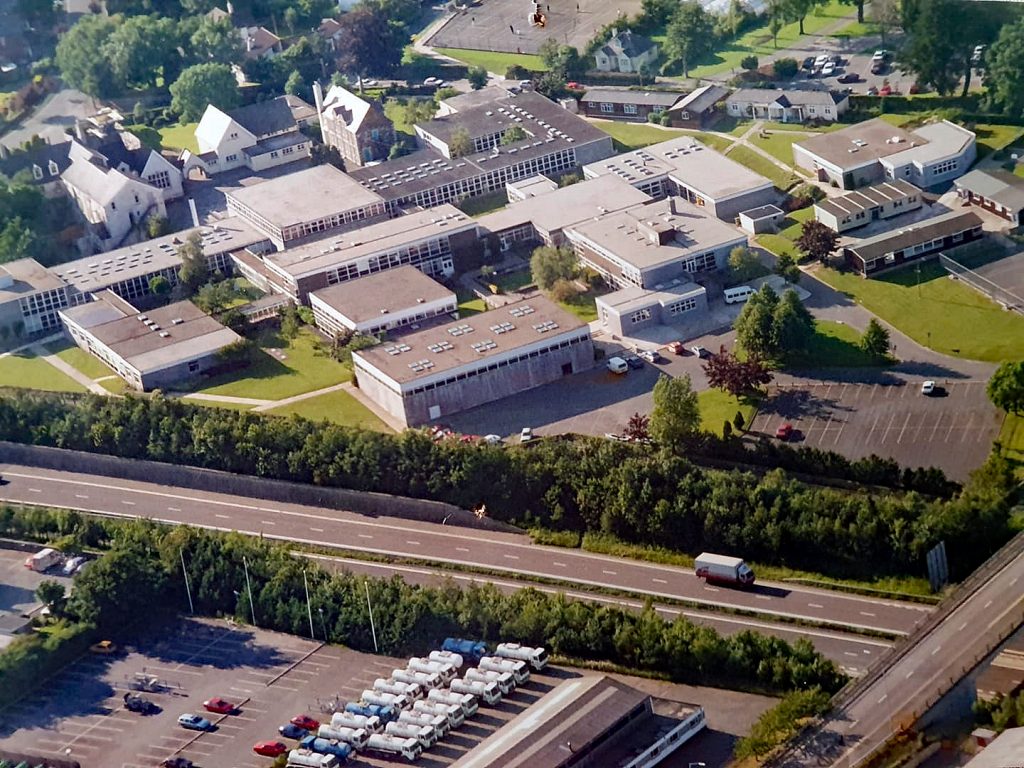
433, 81
699, 351
73, 564
880, 56
928, 388
821, 61
526, 435
492, 439
828, 70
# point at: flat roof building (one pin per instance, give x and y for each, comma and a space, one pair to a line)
149, 350
874, 150
438, 242
996, 190
882, 201
30, 297
434, 373
304, 204
892, 249
685, 167
1004, 752
650, 245
402, 297
632, 309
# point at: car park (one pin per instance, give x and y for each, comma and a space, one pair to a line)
219, 705
194, 722
634, 362
292, 731
305, 721
849, 77
270, 748
784, 432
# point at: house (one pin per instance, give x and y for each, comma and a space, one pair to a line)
303, 113
631, 309
41, 164
125, 152
257, 136
626, 104
1003, 751
330, 32
150, 350
686, 168
259, 42
874, 150
698, 109
30, 297
625, 51
114, 203
653, 244
787, 106
882, 201
357, 128
434, 373
998, 191
892, 249
402, 297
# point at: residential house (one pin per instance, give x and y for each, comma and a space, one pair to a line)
627, 104
787, 106
882, 201
330, 32
625, 51
698, 109
42, 164
259, 42
357, 128
889, 250
257, 136
125, 152
998, 191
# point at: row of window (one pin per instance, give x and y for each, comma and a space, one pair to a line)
945, 166
627, 109
640, 316
429, 257
679, 307
46, 301
336, 220
160, 180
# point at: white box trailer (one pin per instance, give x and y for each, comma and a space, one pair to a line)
447, 657
354, 737
723, 569
447, 672
43, 560
504, 680
439, 723
392, 746
465, 700
426, 680
413, 690
305, 758
424, 734
453, 713
396, 702
520, 669
537, 658
489, 692
370, 724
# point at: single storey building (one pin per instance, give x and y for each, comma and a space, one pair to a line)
998, 191
788, 106
632, 309
891, 249
882, 201
627, 104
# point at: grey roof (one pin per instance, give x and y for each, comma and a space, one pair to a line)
28, 277
996, 185
702, 99
265, 118
375, 296
627, 42
634, 297
875, 140
762, 212
787, 98
42, 155
929, 229
1004, 752
470, 99
869, 197
628, 96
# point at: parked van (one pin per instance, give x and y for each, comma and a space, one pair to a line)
738, 294
617, 365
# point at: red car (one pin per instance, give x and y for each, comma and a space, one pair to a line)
305, 721
218, 705
270, 748
676, 348
886, 90
784, 432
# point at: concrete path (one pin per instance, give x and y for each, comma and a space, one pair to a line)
229, 399
744, 140
269, 404
68, 370
31, 344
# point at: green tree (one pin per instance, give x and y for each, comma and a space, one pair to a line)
215, 41
744, 264
875, 340
793, 325
419, 111
690, 34
79, 61
749, 63
159, 285
935, 47
1006, 387
214, 297
860, 8
785, 68
460, 143
1004, 75
549, 264
675, 418
142, 50
291, 18
17, 241
817, 241
201, 85
51, 594
513, 134
295, 85
776, 19
126, 584
780, 723
157, 226
755, 325
195, 269
562, 61
370, 43
477, 77
786, 268
656, 13
798, 9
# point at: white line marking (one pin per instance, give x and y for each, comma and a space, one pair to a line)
911, 672
962, 627
222, 517
849, 653
659, 581
173, 509
81, 496
512, 557
267, 522
936, 649
988, 604
414, 543
763, 597
318, 530
129, 503
560, 565
34, 490
865, 613
364, 536
461, 549
814, 605
1015, 580
886, 696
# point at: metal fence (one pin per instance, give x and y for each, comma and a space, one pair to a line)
1002, 296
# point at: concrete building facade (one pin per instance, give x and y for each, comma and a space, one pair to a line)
30, 297
861, 207
628, 310
357, 128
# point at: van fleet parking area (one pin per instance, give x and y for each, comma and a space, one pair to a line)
953, 429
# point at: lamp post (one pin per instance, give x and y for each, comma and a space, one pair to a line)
309, 606
370, 608
248, 586
188, 589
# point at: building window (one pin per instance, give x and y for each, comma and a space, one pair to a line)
607, 108
230, 158
193, 366
287, 150
37, 172
54, 170
629, 109
234, 136
640, 316
161, 180
945, 167
682, 306
812, 110
274, 154
375, 134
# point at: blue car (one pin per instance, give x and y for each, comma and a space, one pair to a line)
194, 723
290, 731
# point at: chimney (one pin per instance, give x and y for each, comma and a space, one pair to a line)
318, 97
195, 214
4, 152
231, 8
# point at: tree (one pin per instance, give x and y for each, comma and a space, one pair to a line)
776, 20
370, 44
195, 269
817, 241
201, 85
17, 241
419, 111
291, 18
77, 57
785, 68
549, 264
786, 268
214, 297
216, 41
638, 428
42, 14
460, 143
875, 340
157, 226
656, 13
675, 418
563, 290
744, 264
690, 34
1004, 75
513, 134
51, 594
860, 7
749, 63
1006, 387
885, 13
792, 324
159, 285
798, 9
562, 61
142, 49
755, 325
295, 85
477, 77
935, 48
737, 377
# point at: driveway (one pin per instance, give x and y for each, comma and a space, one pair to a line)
59, 111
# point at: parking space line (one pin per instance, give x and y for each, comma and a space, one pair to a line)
824, 430
935, 428
905, 422
967, 428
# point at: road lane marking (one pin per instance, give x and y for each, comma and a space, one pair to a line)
34, 490
711, 589
659, 581
936, 649
511, 557
461, 549
905, 422
962, 627
884, 697
911, 672
129, 503
318, 530
222, 517
267, 522
865, 613
414, 543
1015, 580
561, 565
763, 597
849, 653
81, 496
364, 536
609, 573
814, 605
173, 509
988, 604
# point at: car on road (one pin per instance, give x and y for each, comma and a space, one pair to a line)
650, 355
72, 564
700, 351
369, 83
879, 68
435, 81
177, 762
928, 388
138, 704
270, 748
634, 362
881, 55
677, 348
194, 722
292, 731
849, 77
526, 85
808, 63
784, 432
305, 721
526, 435
219, 705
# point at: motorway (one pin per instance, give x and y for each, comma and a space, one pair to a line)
508, 552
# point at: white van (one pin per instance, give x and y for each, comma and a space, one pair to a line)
738, 294
617, 365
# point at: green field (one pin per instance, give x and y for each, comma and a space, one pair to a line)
718, 407
395, 112
338, 407
629, 136
583, 305
834, 345
512, 281
785, 240
494, 61
942, 314
469, 304
778, 144
762, 165
272, 378
179, 137
25, 369
483, 204
993, 137
78, 358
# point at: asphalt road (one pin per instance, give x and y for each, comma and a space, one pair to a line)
513, 553
50, 119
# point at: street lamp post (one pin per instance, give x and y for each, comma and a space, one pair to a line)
370, 608
248, 586
188, 589
309, 606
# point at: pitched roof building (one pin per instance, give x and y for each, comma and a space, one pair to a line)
893, 249
996, 190
626, 103
625, 51
787, 106
357, 128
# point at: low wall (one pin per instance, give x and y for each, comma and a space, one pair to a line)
361, 502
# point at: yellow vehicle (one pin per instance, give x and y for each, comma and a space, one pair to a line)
103, 646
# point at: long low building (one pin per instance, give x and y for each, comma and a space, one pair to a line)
997, 191
861, 207
892, 249
434, 373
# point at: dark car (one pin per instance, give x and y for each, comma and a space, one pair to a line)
177, 762
849, 77
808, 63
138, 704
879, 68
634, 362
292, 731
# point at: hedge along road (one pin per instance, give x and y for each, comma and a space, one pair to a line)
511, 553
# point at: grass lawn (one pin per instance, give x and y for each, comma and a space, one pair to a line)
481, 204
78, 358
899, 119
992, 137
748, 157
494, 61
718, 407
270, 378
778, 144
629, 136
858, 29
940, 313
583, 305
834, 345
116, 385
1018, 170
395, 112
512, 281
26, 370
785, 240
469, 304
179, 137
338, 407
